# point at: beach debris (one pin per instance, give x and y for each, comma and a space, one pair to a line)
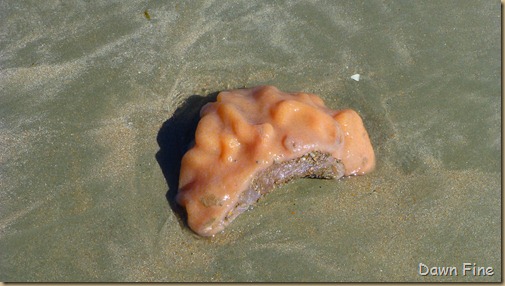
355, 77
251, 140
146, 14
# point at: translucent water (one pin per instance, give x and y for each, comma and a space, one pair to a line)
88, 93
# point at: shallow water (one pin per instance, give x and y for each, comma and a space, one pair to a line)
88, 93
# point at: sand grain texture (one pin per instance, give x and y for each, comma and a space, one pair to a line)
88, 95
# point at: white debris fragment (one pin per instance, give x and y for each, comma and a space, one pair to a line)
355, 77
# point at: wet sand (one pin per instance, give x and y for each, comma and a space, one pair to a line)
90, 139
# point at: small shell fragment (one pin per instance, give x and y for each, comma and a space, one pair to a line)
355, 77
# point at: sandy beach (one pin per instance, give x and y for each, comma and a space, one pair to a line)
97, 100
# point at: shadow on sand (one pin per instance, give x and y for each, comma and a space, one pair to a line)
174, 138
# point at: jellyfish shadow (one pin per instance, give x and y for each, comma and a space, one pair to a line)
174, 138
